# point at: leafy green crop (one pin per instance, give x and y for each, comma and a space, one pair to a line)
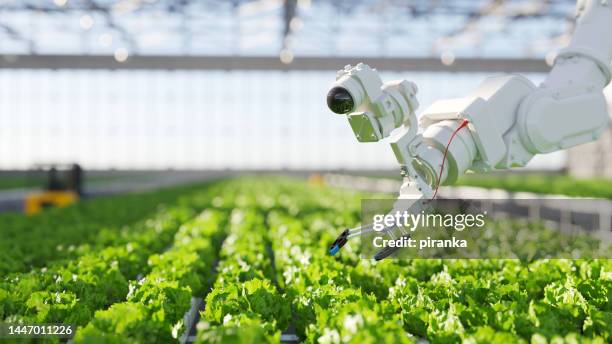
257, 255
444, 301
156, 304
67, 233
244, 292
96, 279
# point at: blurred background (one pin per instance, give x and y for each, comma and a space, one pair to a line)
143, 93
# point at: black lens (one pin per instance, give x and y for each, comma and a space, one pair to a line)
339, 100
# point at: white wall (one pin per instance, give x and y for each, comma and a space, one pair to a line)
159, 119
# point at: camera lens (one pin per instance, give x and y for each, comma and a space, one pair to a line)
340, 101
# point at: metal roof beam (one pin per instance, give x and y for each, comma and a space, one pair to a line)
190, 62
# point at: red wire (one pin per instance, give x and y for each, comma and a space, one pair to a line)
461, 126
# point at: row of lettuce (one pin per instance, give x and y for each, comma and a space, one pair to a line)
351, 300
274, 277
122, 263
155, 305
64, 234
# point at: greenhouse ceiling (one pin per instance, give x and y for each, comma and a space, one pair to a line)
443, 30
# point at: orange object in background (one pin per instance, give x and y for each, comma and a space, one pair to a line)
37, 202
64, 186
316, 179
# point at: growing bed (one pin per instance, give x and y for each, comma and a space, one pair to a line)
255, 252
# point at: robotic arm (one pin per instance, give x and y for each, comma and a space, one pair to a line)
501, 124
509, 119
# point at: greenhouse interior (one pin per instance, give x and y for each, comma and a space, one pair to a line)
305, 171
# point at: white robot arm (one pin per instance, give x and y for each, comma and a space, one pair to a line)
501, 124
